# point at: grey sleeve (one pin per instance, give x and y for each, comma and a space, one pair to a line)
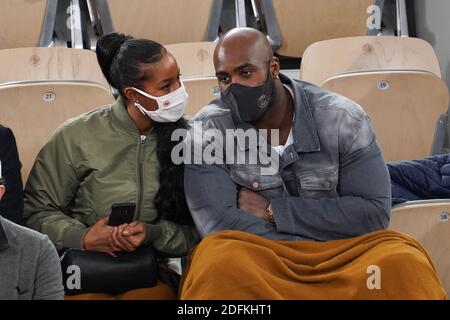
48, 279
364, 202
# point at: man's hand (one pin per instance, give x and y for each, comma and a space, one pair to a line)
98, 238
253, 203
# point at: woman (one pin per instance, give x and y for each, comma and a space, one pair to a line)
118, 154
12, 205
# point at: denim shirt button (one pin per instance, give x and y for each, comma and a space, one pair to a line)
255, 185
327, 184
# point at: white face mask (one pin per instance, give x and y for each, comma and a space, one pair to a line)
171, 107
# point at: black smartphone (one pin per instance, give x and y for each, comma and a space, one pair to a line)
121, 213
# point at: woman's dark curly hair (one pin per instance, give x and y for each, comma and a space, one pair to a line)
170, 199
120, 58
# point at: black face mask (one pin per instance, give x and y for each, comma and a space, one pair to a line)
248, 104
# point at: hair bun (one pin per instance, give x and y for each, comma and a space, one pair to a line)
107, 48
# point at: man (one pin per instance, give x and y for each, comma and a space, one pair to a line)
420, 179
12, 205
29, 263
332, 185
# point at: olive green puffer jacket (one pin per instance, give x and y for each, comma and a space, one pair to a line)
90, 163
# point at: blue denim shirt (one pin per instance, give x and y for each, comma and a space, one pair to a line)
332, 183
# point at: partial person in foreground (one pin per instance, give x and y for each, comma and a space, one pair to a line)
12, 205
315, 228
29, 263
118, 154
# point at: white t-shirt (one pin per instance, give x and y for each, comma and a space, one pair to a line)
290, 140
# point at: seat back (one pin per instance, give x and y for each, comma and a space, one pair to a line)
197, 71
164, 21
303, 22
50, 64
326, 59
34, 110
404, 107
21, 23
429, 223
201, 92
195, 59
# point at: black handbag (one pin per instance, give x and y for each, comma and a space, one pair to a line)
97, 272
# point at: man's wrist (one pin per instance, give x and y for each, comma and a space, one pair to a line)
269, 211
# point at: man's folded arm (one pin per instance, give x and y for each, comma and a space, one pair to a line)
362, 207
212, 199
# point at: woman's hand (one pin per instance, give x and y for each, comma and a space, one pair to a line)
118, 241
98, 238
125, 238
129, 237
135, 233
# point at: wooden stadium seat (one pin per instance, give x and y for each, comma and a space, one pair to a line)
50, 64
303, 22
197, 72
404, 107
326, 59
201, 92
195, 59
429, 223
164, 21
40, 88
21, 23
33, 110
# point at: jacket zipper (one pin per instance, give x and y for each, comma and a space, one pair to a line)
140, 174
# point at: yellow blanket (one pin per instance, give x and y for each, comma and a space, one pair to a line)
233, 265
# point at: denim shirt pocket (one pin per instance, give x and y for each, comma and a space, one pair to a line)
319, 183
250, 177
